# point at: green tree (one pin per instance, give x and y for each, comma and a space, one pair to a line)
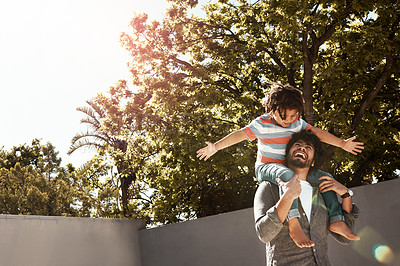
201, 77
114, 133
361, 69
32, 182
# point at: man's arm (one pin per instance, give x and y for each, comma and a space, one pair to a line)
291, 191
270, 211
231, 139
348, 145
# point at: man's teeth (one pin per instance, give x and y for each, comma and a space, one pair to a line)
298, 154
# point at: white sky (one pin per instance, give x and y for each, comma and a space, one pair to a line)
55, 55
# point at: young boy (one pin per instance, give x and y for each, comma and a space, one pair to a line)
283, 106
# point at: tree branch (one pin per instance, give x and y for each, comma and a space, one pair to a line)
387, 71
374, 92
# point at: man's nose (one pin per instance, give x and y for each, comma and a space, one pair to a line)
302, 148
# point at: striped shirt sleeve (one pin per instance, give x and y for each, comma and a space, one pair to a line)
305, 125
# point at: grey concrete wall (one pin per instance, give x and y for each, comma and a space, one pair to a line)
229, 239
225, 239
378, 227
59, 241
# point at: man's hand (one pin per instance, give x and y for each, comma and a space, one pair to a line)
352, 146
331, 184
291, 191
207, 152
291, 188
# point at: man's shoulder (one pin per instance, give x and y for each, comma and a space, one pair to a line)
267, 194
268, 186
318, 173
267, 183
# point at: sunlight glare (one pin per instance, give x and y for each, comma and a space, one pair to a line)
372, 247
383, 254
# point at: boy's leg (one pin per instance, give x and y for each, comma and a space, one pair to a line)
298, 235
271, 171
336, 217
330, 197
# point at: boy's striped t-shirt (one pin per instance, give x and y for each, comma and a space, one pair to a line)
272, 138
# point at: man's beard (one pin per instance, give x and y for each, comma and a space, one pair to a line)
298, 163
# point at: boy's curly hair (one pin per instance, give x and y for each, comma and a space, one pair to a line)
282, 97
310, 138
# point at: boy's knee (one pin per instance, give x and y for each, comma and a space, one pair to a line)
286, 175
270, 172
281, 171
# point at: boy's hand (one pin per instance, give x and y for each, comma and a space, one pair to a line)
207, 152
352, 146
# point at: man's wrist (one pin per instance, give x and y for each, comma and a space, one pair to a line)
289, 195
348, 193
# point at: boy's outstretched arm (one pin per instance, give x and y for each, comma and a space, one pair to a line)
348, 145
212, 148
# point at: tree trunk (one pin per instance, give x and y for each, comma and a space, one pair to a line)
125, 183
307, 82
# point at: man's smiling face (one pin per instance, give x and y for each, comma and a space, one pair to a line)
301, 154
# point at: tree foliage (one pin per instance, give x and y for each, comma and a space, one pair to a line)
32, 182
114, 133
199, 77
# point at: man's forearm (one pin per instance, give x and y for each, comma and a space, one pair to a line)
347, 204
283, 206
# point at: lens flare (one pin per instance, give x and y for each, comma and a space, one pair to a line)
315, 201
369, 240
383, 254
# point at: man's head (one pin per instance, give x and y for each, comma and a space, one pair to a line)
304, 150
281, 98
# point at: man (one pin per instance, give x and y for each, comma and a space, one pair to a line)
303, 154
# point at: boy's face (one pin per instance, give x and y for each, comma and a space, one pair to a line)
290, 115
301, 154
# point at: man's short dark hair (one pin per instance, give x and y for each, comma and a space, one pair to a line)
310, 138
